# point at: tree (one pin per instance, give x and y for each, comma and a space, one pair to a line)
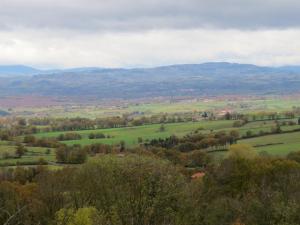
48, 151
276, 129
71, 154
133, 189
91, 136
82, 216
294, 156
198, 158
51, 192
233, 136
122, 146
249, 133
241, 151
237, 123
227, 116
77, 156
162, 128
61, 155
99, 135
140, 140
20, 150
22, 122
29, 139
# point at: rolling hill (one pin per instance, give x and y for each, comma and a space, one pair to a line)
175, 80
17, 70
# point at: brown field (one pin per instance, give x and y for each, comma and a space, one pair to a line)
28, 101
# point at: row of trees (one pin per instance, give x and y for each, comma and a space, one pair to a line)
72, 124
261, 116
77, 154
21, 126
69, 136
71, 154
193, 141
33, 141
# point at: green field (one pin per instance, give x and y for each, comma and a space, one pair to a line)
33, 155
148, 132
131, 134
266, 126
279, 144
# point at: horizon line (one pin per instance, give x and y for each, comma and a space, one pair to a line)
41, 68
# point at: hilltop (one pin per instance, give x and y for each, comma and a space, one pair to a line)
175, 80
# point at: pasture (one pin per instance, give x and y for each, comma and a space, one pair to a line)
32, 156
130, 135
146, 132
277, 144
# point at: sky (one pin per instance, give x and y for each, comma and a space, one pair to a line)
146, 33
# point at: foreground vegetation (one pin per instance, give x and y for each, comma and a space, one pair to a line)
136, 189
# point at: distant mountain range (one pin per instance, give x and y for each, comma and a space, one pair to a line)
175, 80
18, 70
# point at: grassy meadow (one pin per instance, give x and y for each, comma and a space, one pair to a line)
279, 144
32, 156
147, 132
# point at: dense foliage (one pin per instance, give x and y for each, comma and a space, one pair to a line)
136, 189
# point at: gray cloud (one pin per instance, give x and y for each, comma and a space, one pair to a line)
52, 48
110, 15
117, 33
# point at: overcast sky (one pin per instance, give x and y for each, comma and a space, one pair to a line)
130, 33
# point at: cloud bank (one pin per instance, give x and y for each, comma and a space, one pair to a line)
117, 33
149, 14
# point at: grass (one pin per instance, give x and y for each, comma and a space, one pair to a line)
127, 134
131, 134
276, 144
148, 132
33, 155
279, 144
7, 148
4, 143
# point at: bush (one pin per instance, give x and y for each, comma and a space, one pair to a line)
96, 135
29, 139
69, 137
71, 154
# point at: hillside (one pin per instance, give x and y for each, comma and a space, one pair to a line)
175, 80
15, 70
